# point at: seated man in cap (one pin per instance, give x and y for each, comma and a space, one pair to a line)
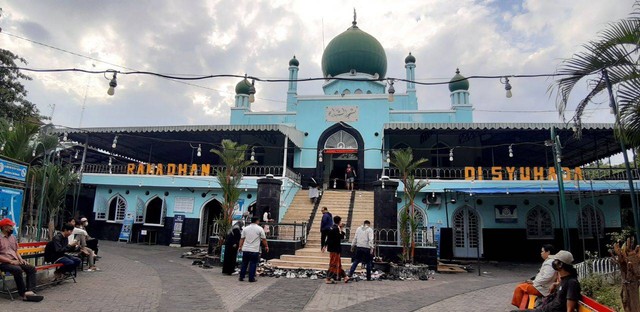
92, 242
565, 295
12, 262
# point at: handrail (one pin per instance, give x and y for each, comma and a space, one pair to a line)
286, 231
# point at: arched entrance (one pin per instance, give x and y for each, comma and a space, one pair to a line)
210, 212
340, 146
466, 233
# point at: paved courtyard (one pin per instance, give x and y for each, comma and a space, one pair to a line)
155, 278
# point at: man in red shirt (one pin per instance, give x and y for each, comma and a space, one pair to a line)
12, 262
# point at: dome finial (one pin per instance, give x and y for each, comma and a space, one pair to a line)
354, 17
457, 70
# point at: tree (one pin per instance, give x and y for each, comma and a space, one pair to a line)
403, 160
58, 181
232, 156
628, 258
13, 102
615, 51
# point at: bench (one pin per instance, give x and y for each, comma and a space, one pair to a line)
32, 252
585, 305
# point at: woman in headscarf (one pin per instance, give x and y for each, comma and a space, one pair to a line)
231, 248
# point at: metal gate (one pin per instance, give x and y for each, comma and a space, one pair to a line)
466, 233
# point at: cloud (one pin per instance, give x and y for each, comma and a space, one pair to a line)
259, 37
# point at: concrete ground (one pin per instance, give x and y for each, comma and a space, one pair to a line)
155, 278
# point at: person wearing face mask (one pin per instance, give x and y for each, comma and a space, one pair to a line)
92, 242
565, 294
12, 262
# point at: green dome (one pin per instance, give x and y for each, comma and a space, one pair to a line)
354, 49
294, 61
243, 87
409, 59
458, 85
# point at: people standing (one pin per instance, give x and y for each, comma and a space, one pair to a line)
541, 284
334, 246
12, 262
55, 251
325, 226
362, 245
250, 240
350, 177
231, 244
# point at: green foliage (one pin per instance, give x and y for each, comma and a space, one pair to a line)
232, 156
13, 102
604, 290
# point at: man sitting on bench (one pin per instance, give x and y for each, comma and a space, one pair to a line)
55, 252
12, 262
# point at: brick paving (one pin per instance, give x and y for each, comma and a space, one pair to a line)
155, 278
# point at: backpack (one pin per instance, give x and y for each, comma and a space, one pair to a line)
50, 252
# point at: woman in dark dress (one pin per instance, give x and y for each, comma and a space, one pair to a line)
231, 248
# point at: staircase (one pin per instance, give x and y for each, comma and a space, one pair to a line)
311, 257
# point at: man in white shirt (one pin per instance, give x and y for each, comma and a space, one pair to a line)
541, 284
249, 245
363, 246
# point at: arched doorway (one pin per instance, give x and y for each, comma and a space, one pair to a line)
340, 146
211, 211
466, 233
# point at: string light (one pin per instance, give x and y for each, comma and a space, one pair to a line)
10, 125
115, 142
112, 84
2, 146
253, 155
391, 90
199, 153
65, 136
451, 154
320, 156
507, 86
388, 158
511, 150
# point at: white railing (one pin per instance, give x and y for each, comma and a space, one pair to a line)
601, 266
30, 234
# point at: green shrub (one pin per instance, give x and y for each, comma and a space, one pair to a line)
603, 290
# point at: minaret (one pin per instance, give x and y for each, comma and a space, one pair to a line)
410, 66
292, 92
242, 94
459, 87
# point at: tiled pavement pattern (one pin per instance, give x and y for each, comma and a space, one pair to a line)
155, 278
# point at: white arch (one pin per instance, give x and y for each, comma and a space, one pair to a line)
341, 140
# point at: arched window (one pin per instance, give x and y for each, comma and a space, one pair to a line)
358, 91
539, 223
155, 212
341, 140
368, 91
117, 209
336, 93
590, 223
346, 91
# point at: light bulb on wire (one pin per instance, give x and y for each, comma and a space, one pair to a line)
511, 150
451, 154
199, 150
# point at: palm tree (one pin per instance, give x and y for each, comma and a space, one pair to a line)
59, 179
616, 51
232, 156
404, 161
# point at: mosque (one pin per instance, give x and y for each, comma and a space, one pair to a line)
493, 190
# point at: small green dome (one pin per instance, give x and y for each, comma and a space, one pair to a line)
455, 85
243, 87
294, 62
354, 49
409, 59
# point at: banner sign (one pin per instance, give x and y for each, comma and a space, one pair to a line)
506, 214
127, 226
11, 205
183, 204
176, 238
13, 171
237, 210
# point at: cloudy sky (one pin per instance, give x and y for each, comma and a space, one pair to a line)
489, 37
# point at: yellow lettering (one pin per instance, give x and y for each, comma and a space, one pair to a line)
182, 169
496, 172
511, 171
160, 169
479, 175
205, 169
577, 173
194, 169
171, 169
552, 174
149, 168
525, 173
140, 169
538, 173
131, 168
565, 170
469, 173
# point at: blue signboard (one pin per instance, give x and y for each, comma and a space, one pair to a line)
11, 205
176, 238
237, 210
13, 171
127, 225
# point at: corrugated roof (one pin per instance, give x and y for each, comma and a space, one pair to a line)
296, 136
490, 126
